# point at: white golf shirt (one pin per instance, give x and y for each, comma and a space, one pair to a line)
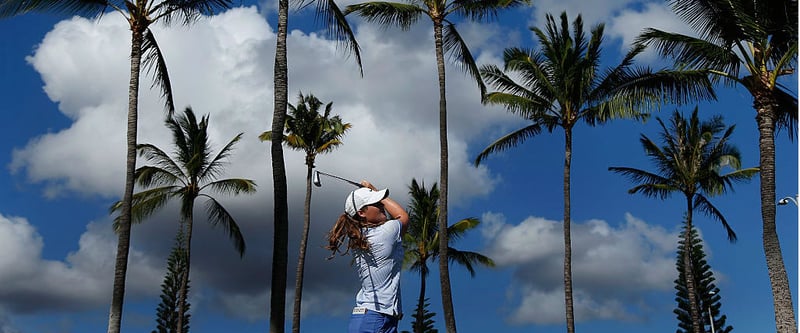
379, 269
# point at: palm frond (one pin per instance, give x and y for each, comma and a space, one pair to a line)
468, 259
233, 186
89, 8
457, 230
786, 119
150, 176
155, 65
186, 11
509, 140
161, 160
711, 19
219, 216
387, 13
214, 167
339, 29
703, 205
145, 203
460, 54
650, 184
693, 52
482, 10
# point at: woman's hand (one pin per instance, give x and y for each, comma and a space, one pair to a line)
368, 185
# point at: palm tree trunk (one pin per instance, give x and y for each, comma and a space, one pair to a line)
184, 291
688, 273
423, 277
781, 293
281, 209
124, 241
567, 236
444, 271
301, 260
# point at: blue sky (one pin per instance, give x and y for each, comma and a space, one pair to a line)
64, 83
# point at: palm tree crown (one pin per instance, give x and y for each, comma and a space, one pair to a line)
309, 131
690, 162
187, 176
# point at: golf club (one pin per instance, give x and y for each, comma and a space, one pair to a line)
318, 183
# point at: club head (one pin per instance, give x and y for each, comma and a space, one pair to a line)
315, 179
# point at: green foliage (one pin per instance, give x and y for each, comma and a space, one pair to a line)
187, 175
421, 241
167, 311
707, 293
310, 131
691, 162
426, 320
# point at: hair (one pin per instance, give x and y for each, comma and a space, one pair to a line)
350, 227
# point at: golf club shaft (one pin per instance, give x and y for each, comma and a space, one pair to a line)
340, 178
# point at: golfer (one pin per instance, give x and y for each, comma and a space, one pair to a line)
377, 250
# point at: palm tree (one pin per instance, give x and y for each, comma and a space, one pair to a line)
313, 133
186, 177
140, 15
690, 163
422, 241
751, 44
562, 84
338, 27
446, 39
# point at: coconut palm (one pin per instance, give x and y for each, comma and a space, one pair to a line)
562, 84
186, 177
421, 241
140, 15
313, 133
338, 28
690, 162
446, 39
751, 44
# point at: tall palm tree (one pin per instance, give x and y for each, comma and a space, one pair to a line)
750, 43
140, 15
186, 177
332, 16
446, 39
422, 241
691, 162
313, 133
562, 84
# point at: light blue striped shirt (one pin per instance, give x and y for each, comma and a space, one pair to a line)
379, 269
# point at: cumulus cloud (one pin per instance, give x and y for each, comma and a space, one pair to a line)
31, 284
612, 266
222, 66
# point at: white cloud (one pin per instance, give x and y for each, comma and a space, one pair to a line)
629, 23
612, 267
222, 66
29, 283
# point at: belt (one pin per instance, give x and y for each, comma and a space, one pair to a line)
364, 310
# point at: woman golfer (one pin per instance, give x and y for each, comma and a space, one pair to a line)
376, 245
